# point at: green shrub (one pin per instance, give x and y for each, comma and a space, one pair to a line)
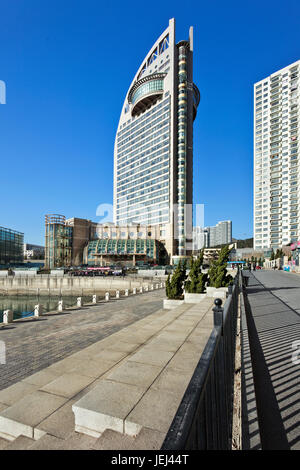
217, 273
174, 285
197, 280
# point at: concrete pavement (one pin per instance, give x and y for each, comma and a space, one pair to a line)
273, 319
33, 344
148, 363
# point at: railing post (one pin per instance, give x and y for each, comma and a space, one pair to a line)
37, 310
218, 314
8, 316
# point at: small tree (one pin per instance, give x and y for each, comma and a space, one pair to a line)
174, 285
197, 280
218, 276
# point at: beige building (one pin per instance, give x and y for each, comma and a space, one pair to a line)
75, 241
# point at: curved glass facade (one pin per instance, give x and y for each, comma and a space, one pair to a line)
146, 89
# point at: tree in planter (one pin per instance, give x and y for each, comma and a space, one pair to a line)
197, 280
174, 286
217, 273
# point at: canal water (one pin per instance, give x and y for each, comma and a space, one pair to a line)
23, 305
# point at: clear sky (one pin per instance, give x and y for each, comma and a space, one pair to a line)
67, 65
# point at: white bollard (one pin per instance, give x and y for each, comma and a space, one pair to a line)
161, 285
156, 286
94, 299
134, 291
126, 293
151, 287
117, 294
146, 288
8, 316
107, 296
141, 290
37, 310
79, 302
60, 305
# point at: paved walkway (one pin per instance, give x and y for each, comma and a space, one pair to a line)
32, 345
273, 319
148, 364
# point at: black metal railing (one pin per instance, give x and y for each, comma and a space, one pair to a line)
204, 418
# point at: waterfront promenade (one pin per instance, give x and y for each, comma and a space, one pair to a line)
273, 318
33, 344
130, 347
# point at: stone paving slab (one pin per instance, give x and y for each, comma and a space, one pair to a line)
155, 410
39, 378
114, 399
92, 368
16, 392
26, 414
67, 385
149, 355
148, 439
141, 375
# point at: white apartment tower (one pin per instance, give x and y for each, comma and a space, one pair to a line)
276, 162
153, 156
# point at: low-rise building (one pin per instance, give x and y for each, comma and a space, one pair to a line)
74, 241
11, 246
33, 251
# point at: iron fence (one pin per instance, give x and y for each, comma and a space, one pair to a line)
204, 418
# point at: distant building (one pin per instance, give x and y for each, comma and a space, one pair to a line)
245, 254
11, 246
209, 237
33, 251
220, 234
200, 238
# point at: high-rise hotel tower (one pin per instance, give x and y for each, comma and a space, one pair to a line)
276, 159
153, 157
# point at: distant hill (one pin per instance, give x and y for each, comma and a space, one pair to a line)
247, 243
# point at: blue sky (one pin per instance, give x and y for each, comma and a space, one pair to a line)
67, 66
